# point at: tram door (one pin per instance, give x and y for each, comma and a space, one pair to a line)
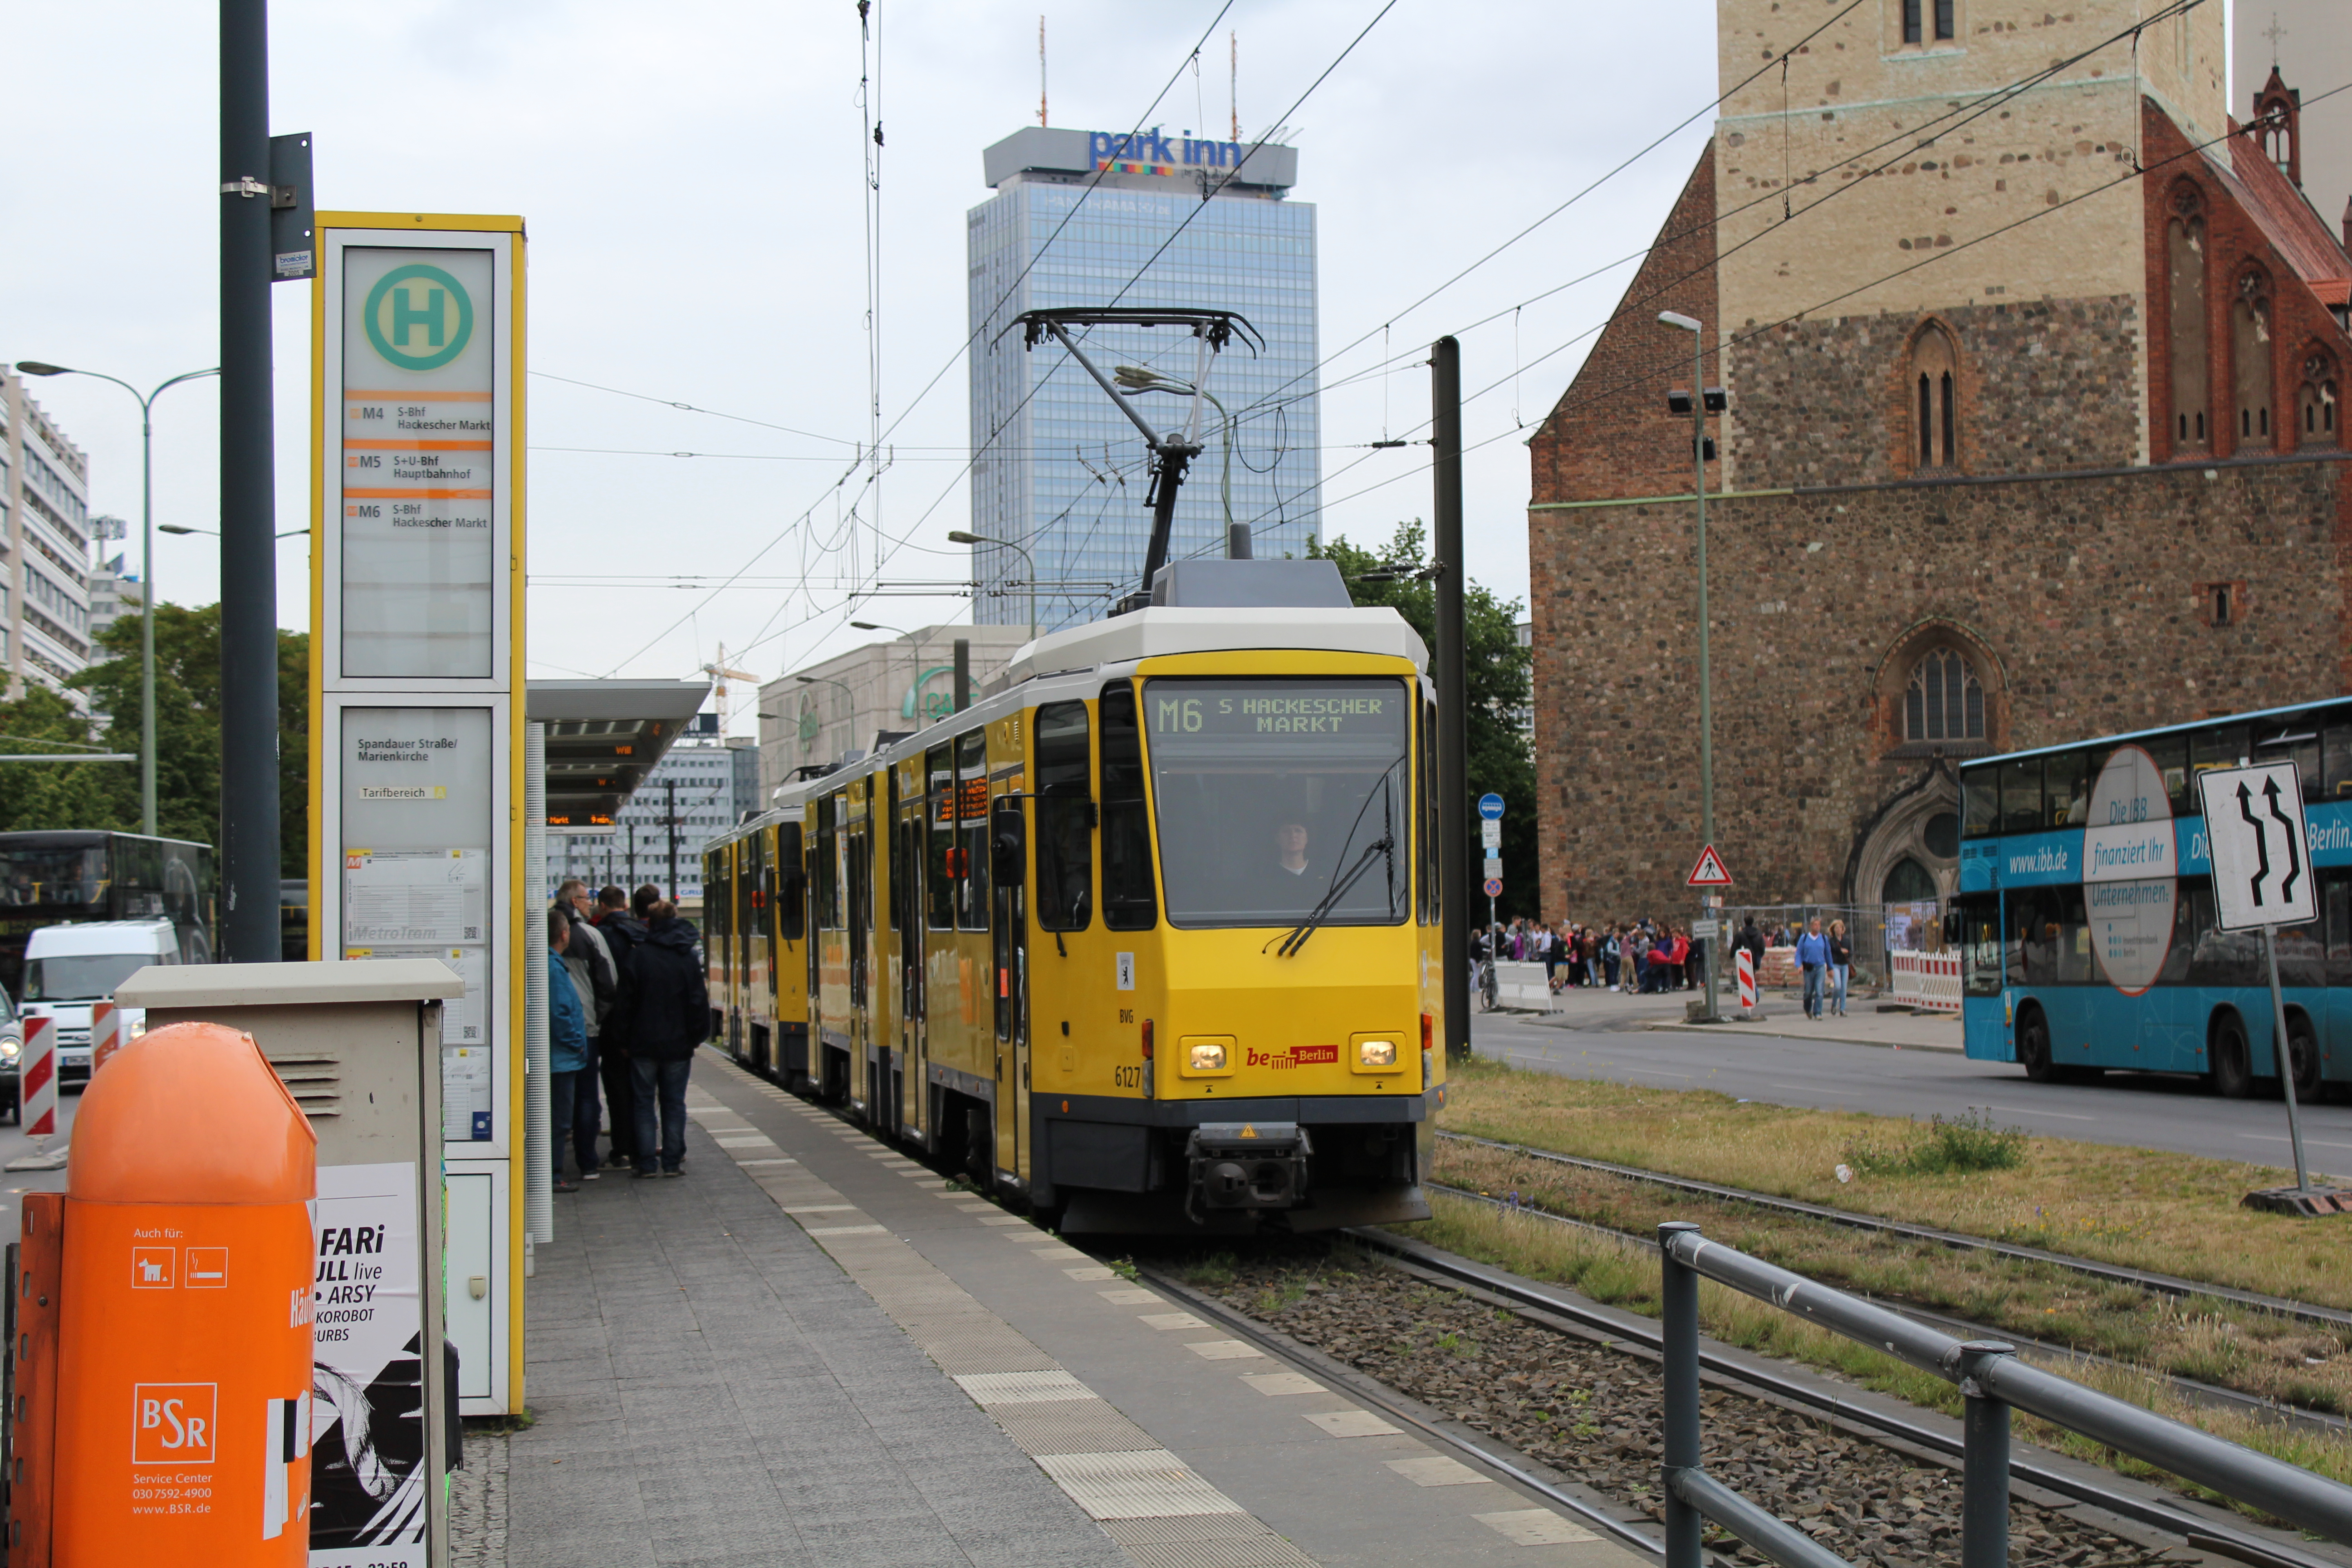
909, 901
856, 848
1009, 945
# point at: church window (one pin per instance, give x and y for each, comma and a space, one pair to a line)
1934, 398
1908, 883
2250, 357
1945, 700
1944, 19
1911, 20
2185, 294
2315, 400
1918, 14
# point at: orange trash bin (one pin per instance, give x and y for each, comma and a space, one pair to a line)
183, 1341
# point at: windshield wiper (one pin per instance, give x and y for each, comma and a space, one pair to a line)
1291, 944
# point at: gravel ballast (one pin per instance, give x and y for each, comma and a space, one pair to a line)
1593, 1413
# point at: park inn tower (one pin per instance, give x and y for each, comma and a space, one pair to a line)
1080, 218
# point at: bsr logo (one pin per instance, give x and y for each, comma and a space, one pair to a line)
172, 1422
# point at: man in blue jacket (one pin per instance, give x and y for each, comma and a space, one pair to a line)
567, 1046
1813, 955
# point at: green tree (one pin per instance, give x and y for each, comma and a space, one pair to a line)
187, 738
1498, 681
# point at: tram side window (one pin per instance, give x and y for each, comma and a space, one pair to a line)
939, 841
1130, 899
897, 863
1979, 803
791, 896
2021, 796
1979, 922
828, 864
1065, 809
1425, 833
971, 830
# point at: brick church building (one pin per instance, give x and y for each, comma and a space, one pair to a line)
2032, 357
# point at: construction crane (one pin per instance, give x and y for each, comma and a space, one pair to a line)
719, 676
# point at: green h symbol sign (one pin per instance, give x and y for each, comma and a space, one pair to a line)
405, 315
392, 316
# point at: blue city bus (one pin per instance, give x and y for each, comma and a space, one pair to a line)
2085, 919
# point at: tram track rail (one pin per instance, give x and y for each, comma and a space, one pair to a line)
1818, 1395
2113, 1273
2191, 1390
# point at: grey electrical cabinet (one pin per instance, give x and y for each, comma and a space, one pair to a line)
359, 1047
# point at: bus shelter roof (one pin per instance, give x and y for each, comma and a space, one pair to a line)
604, 738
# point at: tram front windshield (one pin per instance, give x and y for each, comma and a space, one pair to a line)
1272, 793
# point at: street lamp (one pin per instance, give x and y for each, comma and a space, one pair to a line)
146, 565
957, 536
1699, 402
914, 663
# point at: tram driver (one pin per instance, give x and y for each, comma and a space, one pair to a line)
1290, 844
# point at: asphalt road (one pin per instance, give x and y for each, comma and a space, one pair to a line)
2142, 1110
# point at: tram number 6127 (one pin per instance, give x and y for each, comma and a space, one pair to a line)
1128, 1076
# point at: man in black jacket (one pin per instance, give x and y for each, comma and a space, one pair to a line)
667, 1015
621, 931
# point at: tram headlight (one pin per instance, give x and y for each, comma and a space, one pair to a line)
1380, 1051
1205, 1055
1376, 1053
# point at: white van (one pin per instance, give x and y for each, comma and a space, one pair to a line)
67, 967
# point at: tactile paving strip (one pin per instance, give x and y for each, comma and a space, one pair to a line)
1087, 1425
1207, 1540
1152, 1484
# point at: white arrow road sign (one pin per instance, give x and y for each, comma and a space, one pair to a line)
2262, 861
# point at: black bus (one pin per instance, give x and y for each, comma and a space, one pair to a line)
54, 876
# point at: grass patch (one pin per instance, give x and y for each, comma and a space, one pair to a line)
1623, 1274
2175, 1214
2259, 1352
1969, 1141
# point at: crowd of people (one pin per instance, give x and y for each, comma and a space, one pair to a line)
1648, 955
1639, 957
626, 1005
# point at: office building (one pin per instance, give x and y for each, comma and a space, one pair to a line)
45, 520
1094, 219
830, 711
114, 594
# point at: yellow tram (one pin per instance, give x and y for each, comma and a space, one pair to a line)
1148, 937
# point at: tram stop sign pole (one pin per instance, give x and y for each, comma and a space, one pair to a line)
2262, 879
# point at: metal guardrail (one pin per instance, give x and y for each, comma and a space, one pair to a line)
1992, 1382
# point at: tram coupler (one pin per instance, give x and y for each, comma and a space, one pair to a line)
1248, 1164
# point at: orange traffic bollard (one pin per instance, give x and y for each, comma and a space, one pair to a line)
182, 1390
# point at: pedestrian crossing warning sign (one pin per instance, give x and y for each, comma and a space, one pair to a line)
1709, 871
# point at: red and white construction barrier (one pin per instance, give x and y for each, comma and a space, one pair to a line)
105, 1034
1929, 980
1747, 981
36, 1107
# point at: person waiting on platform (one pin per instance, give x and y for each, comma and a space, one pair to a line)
567, 1046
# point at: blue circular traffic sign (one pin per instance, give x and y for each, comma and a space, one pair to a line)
1490, 807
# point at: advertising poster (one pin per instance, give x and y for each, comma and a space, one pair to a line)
367, 1429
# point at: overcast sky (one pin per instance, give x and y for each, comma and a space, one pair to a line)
691, 174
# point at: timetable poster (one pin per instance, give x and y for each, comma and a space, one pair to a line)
416, 874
